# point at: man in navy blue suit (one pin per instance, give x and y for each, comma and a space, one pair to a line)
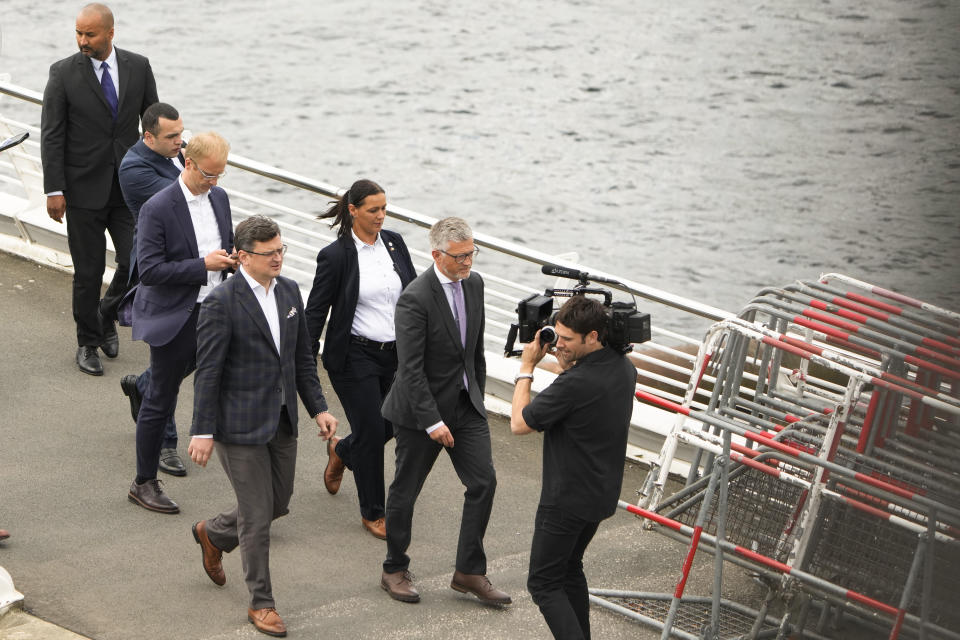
184, 246
156, 160
150, 165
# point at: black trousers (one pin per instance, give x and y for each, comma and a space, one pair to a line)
262, 479
472, 461
169, 365
361, 387
88, 246
555, 579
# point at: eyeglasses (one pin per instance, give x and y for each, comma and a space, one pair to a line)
268, 254
209, 176
461, 257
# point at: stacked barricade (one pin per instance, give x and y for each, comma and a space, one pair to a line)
828, 440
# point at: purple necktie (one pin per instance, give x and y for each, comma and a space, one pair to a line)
109, 92
459, 311
460, 315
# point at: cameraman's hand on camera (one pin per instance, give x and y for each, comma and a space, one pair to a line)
533, 353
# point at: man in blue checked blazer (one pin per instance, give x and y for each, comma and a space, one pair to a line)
253, 360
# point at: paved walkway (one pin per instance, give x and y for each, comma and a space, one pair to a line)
89, 561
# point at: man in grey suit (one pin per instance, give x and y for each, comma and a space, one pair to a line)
91, 113
253, 359
436, 402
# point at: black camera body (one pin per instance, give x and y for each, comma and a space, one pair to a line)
626, 325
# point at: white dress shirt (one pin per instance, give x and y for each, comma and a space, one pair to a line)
207, 231
268, 304
380, 287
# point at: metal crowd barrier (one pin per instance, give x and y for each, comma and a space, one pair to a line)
826, 463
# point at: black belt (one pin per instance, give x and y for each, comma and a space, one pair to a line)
373, 344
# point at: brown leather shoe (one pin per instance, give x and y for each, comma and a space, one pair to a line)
267, 621
377, 528
400, 586
150, 495
479, 586
333, 474
211, 554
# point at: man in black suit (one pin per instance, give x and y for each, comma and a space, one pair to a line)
150, 165
436, 402
585, 417
184, 246
253, 359
91, 110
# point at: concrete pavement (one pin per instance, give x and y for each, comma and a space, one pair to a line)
89, 561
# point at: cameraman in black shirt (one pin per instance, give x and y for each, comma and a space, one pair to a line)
585, 416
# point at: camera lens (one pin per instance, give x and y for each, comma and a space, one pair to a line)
548, 335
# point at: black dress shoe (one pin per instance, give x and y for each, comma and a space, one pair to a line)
129, 385
150, 495
111, 341
171, 463
89, 361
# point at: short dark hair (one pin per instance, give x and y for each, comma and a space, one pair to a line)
583, 315
253, 230
151, 117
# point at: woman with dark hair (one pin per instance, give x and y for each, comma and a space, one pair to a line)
359, 277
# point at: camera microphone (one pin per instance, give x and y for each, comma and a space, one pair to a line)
564, 272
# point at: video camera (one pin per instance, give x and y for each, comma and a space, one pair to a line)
626, 326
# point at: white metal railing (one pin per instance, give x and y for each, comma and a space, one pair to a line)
510, 275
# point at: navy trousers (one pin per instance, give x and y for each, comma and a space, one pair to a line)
170, 430
169, 365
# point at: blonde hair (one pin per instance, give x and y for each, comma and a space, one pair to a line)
208, 144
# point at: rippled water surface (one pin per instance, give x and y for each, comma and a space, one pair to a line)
706, 148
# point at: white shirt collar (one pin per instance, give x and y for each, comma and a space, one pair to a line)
254, 284
361, 244
443, 279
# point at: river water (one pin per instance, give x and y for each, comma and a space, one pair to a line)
704, 147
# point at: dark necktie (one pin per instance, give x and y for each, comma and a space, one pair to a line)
109, 92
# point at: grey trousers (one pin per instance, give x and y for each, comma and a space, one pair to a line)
262, 478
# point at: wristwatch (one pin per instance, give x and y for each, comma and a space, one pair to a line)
521, 376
